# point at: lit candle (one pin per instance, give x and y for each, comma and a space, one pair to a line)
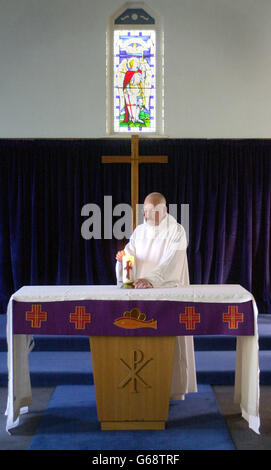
128, 263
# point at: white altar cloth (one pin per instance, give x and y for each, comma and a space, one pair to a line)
246, 390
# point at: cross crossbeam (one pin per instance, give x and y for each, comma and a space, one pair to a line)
134, 160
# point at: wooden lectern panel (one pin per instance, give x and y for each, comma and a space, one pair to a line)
132, 378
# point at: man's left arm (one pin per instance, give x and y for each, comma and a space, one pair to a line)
173, 260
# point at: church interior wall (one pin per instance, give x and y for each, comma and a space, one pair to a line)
53, 68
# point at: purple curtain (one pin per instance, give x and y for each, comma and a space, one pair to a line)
45, 183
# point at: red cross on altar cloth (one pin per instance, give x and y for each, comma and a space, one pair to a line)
80, 317
233, 317
190, 318
36, 316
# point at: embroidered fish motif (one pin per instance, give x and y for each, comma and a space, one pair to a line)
132, 319
132, 323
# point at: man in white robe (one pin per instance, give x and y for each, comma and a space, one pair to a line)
159, 248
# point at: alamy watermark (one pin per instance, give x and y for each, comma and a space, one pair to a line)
99, 223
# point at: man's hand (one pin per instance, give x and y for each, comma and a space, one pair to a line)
120, 255
142, 284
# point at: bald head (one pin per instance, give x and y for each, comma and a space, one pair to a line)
155, 199
155, 208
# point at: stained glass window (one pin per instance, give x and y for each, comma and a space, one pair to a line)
135, 71
134, 80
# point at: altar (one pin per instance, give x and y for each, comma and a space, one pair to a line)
132, 334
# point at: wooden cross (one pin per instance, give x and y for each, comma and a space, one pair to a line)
134, 159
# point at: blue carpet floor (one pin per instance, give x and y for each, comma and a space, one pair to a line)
70, 423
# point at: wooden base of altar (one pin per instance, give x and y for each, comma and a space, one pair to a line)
132, 378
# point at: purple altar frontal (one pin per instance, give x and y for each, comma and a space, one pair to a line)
92, 317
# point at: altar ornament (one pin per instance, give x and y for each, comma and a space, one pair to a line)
128, 274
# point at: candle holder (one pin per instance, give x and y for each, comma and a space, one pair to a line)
128, 285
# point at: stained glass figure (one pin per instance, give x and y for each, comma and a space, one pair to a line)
134, 80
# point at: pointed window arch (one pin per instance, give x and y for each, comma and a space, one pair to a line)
135, 71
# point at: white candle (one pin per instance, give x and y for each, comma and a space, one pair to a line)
128, 263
